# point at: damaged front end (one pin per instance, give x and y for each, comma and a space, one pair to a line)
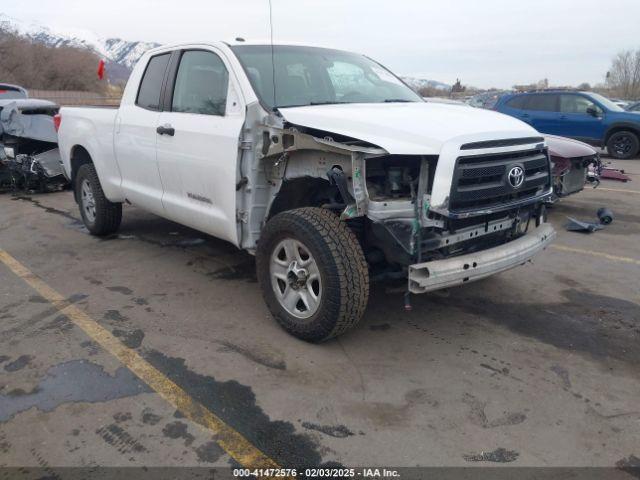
29, 155
438, 220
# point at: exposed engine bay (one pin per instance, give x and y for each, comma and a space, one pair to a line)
388, 199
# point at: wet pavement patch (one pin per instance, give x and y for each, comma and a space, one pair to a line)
242, 271
337, 431
499, 455
596, 325
132, 339
19, 363
209, 452
122, 290
120, 439
114, 315
236, 405
74, 381
630, 465
262, 358
177, 430
150, 418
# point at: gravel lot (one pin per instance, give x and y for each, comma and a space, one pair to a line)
539, 366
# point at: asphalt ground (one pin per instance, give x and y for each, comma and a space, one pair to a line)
154, 348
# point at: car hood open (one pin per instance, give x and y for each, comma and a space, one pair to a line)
408, 128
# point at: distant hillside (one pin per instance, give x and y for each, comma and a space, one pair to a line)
120, 55
36, 65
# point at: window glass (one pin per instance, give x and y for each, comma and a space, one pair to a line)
310, 75
517, 102
544, 103
575, 104
201, 84
149, 93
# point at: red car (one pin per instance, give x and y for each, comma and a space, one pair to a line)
573, 164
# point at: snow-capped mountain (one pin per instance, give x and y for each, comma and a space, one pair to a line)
418, 83
114, 50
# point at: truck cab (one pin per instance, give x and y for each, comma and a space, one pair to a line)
320, 162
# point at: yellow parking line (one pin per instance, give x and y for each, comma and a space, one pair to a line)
233, 442
592, 253
622, 190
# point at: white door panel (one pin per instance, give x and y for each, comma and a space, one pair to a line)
135, 147
198, 163
198, 166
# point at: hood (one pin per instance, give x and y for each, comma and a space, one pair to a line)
567, 147
409, 128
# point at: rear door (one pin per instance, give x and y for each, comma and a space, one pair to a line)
543, 113
198, 142
576, 122
135, 139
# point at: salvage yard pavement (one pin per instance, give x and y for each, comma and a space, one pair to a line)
154, 347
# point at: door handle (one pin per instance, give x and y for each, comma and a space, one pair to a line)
166, 130
525, 115
563, 117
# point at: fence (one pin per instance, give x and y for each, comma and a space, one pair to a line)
71, 98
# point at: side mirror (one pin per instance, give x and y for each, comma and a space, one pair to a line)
593, 111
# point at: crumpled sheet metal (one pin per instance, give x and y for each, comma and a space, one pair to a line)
34, 126
574, 225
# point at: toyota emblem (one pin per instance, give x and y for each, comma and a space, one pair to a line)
516, 176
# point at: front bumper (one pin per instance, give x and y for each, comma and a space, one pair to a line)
437, 274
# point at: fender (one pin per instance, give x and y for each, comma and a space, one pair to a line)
622, 125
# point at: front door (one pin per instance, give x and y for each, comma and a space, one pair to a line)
136, 138
577, 122
198, 144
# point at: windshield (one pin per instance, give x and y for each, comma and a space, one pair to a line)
605, 102
318, 76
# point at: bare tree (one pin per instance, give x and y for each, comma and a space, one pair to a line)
623, 79
38, 66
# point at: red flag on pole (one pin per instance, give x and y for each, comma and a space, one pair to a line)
101, 69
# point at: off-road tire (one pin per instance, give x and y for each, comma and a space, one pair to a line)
108, 215
634, 145
343, 270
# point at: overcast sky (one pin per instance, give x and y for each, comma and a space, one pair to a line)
484, 42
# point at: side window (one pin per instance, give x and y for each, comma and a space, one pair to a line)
517, 102
151, 84
201, 84
575, 104
543, 103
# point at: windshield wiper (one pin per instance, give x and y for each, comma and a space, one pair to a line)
312, 104
397, 100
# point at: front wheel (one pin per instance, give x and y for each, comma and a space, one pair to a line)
100, 216
623, 145
313, 273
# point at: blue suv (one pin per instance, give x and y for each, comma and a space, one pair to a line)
584, 116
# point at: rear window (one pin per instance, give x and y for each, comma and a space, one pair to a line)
517, 102
151, 85
10, 93
543, 103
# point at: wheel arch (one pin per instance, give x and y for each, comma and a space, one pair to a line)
302, 192
621, 127
79, 156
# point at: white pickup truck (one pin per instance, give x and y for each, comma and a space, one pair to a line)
323, 164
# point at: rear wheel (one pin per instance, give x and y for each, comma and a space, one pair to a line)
100, 216
623, 145
313, 274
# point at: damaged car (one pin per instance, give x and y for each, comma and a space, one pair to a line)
573, 164
29, 155
323, 164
